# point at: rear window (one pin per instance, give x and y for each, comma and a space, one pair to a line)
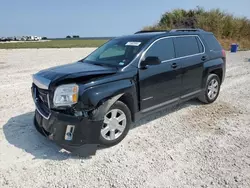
212, 42
186, 46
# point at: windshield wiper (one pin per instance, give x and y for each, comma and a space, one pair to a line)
100, 64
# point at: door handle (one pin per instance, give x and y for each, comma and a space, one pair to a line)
204, 58
174, 65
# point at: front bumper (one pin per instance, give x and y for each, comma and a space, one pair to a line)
55, 128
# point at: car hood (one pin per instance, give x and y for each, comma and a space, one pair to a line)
45, 78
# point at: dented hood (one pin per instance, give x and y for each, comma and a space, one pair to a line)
44, 78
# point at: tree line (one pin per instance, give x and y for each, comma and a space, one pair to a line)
227, 27
74, 37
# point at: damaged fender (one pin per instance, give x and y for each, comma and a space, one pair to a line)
99, 113
97, 100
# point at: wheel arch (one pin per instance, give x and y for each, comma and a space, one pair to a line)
213, 67
218, 72
105, 104
103, 97
128, 99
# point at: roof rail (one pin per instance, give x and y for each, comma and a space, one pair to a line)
148, 31
187, 29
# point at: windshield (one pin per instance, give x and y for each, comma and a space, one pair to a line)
116, 52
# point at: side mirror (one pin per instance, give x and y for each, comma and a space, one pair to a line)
151, 60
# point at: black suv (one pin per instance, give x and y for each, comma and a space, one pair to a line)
95, 100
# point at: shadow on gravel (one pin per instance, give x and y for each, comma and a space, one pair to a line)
20, 132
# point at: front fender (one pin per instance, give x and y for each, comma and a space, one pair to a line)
102, 109
101, 97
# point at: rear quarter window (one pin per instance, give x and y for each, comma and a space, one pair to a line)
212, 42
186, 46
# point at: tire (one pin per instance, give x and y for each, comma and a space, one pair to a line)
110, 121
206, 97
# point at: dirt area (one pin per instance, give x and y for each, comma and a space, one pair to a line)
191, 145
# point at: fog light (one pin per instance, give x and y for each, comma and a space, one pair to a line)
69, 132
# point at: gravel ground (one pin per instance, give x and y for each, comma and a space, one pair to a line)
191, 145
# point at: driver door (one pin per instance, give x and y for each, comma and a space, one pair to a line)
160, 84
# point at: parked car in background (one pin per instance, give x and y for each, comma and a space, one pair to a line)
23, 38
95, 100
3, 39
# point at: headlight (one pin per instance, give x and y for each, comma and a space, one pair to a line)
66, 95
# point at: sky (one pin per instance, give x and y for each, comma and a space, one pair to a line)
96, 18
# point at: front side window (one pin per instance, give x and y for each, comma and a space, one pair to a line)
186, 46
117, 52
163, 49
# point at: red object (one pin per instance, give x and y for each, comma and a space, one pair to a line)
223, 53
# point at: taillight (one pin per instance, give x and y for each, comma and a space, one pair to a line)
223, 53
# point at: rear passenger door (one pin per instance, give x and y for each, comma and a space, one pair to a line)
190, 54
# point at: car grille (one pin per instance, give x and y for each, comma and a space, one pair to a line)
41, 98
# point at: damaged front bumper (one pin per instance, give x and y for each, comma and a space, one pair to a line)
74, 133
69, 132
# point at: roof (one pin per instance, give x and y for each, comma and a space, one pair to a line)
148, 35
143, 36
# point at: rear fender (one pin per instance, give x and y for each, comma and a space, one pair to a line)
211, 66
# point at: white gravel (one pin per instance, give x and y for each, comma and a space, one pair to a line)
191, 145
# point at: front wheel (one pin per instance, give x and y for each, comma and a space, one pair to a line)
116, 124
212, 89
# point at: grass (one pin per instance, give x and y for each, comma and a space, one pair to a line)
54, 44
243, 44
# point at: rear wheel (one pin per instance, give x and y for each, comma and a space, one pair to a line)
212, 89
116, 124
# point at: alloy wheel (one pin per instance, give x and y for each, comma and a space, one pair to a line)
213, 89
114, 124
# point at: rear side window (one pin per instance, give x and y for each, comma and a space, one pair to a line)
212, 42
186, 46
163, 49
